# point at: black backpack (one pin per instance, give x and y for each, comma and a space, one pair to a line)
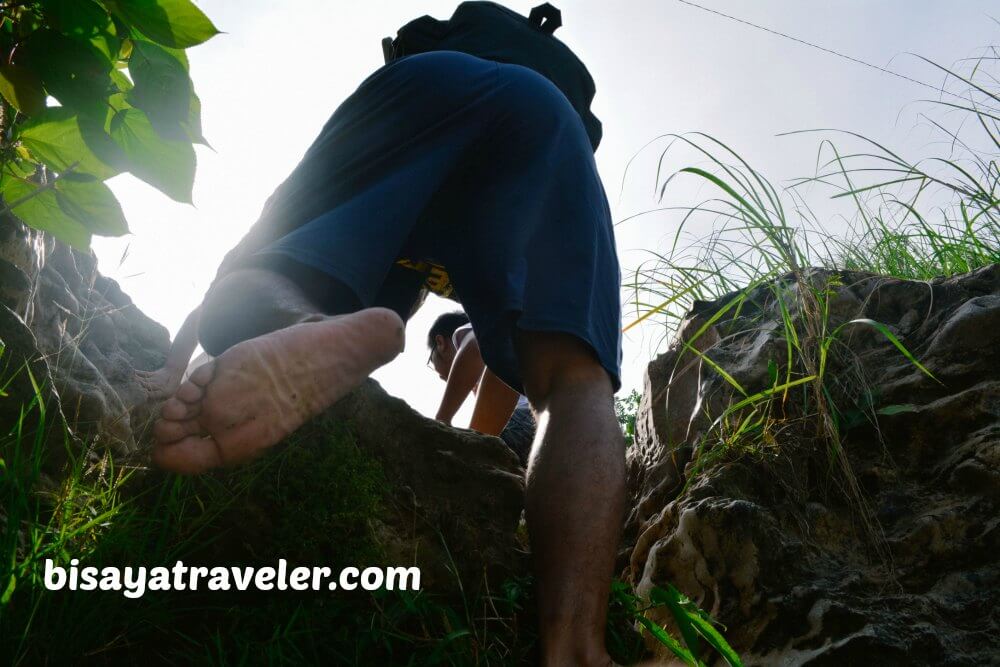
488, 30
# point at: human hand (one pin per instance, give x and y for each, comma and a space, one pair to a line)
161, 383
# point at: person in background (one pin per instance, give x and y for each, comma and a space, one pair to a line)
456, 358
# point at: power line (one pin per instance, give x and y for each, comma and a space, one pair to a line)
821, 48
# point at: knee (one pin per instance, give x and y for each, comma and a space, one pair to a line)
557, 364
215, 337
228, 313
586, 381
218, 329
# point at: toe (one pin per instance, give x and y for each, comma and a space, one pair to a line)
167, 430
189, 392
190, 456
203, 374
177, 410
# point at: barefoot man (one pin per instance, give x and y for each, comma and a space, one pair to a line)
482, 168
457, 360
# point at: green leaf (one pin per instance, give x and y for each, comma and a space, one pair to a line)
696, 620
27, 23
761, 395
116, 102
126, 48
91, 202
684, 624
20, 168
121, 81
163, 88
85, 20
176, 124
22, 88
715, 367
193, 123
178, 24
664, 638
158, 54
884, 330
166, 165
890, 410
38, 207
772, 372
73, 71
60, 139
11, 585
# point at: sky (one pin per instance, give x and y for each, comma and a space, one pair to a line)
661, 67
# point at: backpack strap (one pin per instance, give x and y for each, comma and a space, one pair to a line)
545, 18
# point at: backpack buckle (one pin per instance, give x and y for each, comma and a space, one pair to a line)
545, 18
388, 50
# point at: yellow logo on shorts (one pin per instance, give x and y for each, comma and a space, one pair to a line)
436, 277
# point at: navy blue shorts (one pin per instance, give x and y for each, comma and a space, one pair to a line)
480, 167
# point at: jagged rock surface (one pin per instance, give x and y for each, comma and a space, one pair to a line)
767, 541
454, 497
81, 335
457, 495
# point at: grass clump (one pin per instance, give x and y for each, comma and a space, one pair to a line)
313, 502
767, 252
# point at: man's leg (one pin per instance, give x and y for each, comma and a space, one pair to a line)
575, 493
252, 302
282, 360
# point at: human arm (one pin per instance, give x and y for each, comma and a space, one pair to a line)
465, 372
495, 403
162, 382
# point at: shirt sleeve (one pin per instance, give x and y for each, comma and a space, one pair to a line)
460, 334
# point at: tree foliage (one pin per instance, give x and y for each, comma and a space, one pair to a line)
91, 89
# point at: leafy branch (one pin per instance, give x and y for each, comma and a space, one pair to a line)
119, 74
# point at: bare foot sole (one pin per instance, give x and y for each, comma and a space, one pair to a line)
261, 390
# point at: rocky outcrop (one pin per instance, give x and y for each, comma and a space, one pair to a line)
455, 495
893, 559
80, 334
450, 500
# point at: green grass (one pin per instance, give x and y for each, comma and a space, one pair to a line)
912, 220
309, 503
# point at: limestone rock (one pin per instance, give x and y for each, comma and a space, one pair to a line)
768, 541
459, 494
87, 338
448, 500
